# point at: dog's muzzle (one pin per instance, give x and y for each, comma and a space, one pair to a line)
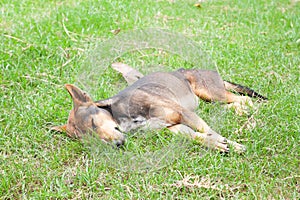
119, 142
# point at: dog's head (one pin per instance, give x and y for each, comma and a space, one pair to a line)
87, 118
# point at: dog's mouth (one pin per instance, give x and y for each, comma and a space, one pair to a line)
116, 142
119, 142
118, 139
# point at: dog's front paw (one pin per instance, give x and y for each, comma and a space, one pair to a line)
222, 145
239, 148
214, 141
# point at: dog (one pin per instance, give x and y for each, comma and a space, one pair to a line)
158, 100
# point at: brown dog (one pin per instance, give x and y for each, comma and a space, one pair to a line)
158, 100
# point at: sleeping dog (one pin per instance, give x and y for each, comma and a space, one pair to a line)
158, 100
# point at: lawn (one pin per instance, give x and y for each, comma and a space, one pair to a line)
45, 44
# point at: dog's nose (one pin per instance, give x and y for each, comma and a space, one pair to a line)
119, 143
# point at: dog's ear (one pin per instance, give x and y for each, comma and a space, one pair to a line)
104, 103
61, 129
79, 97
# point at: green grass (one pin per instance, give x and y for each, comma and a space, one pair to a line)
45, 44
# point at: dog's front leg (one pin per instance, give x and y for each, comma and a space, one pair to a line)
185, 121
205, 134
211, 139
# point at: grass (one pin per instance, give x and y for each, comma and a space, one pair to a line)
45, 44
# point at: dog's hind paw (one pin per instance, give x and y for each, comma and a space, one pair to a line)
242, 107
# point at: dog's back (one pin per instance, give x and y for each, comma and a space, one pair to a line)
163, 85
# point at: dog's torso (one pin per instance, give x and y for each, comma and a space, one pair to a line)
139, 104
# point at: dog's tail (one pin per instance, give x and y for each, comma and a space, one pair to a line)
243, 90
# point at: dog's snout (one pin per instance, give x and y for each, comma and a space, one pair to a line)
120, 140
119, 143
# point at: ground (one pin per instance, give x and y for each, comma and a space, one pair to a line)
45, 44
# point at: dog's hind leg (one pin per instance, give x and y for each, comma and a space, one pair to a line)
241, 103
130, 75
206, 84
209, 86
